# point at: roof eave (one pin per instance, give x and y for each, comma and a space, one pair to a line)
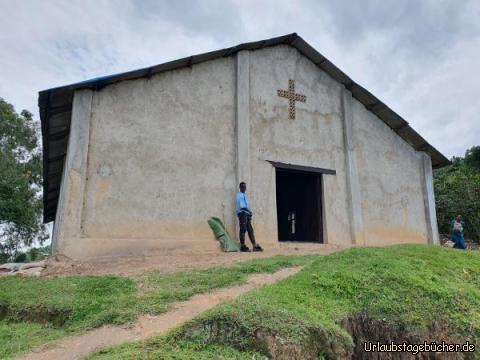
57, 100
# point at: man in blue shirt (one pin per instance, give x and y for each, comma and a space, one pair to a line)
244, 213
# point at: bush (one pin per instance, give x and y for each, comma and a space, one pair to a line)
20, 257
472, 157
457, 191
4, 258
36, 254
33, 254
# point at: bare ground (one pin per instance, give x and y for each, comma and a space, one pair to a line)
132, 266
79, 346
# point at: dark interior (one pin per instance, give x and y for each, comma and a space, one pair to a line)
299, 206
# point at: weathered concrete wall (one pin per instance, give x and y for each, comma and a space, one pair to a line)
376, 197
314, 138
67, 225
161, 161
354, 195
429, 201
152, 159
391, 182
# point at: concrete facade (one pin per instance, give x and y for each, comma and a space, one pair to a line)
150, 160
391, 182
314, 138
67, 227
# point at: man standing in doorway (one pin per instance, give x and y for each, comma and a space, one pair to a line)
244, 213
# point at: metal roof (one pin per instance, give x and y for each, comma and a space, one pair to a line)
56, 109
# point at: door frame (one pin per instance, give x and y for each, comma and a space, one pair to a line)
306, 169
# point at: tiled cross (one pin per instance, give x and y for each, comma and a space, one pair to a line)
292, 97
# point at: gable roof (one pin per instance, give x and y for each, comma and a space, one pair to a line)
56, 109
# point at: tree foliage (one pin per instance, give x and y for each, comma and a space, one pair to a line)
472, 157
457, 191
20, 180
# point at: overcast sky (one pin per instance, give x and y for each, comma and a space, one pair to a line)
419, 57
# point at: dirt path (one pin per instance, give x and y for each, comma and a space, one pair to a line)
79, 346
170, 262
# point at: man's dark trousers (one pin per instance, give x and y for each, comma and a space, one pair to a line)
246, 226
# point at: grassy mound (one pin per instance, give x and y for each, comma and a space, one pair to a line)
34, 311
409, 293
170, 349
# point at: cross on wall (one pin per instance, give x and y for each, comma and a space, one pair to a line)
292, 97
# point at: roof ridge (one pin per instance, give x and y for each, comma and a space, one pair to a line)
55, 101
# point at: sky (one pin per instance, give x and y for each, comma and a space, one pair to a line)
419, 57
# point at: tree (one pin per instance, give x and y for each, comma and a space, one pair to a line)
457, 191
472, 157
20, 180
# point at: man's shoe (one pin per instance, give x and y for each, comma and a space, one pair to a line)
244, 248
257, 248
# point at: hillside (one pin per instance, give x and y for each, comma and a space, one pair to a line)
408, 293
405, 293
36, 311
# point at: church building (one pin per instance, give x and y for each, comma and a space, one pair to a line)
136, 163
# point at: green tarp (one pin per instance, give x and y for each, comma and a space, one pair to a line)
221, 234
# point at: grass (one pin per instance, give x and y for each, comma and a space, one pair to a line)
169, 349
157, 292
35, 311
410, 287
420, 291
16, 338
415, 291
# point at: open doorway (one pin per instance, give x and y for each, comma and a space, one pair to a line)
299, 206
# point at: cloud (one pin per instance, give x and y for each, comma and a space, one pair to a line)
418, 57
57, 42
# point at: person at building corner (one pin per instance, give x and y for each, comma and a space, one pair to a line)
244, 213
458, 227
